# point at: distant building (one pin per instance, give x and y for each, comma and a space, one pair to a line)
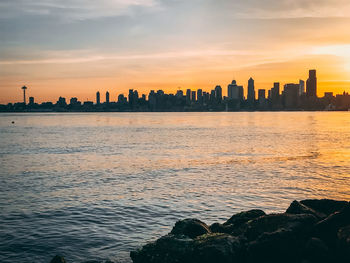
179, 93
188, 96
218, 93
235, 92
98, 98
200, 96
193, 96
31, 101
301, 87
291, 95
73, 101
261, 94
311, 84
61, 102
251, 91
107, 97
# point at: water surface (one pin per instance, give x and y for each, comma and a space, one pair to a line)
94, 186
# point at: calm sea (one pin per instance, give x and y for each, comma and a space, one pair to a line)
95, 186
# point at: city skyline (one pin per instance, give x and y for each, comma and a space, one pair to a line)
72, 49
294, 96
242, 91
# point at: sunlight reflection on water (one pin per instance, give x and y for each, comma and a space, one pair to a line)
95, 186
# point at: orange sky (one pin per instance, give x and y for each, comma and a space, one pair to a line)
149, 44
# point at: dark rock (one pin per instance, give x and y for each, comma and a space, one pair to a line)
300, 224
298, 208
233, 225
316, 251
190, 227
58, 259
344, 244
328, 228
167, 249
325, 206
243, 217
221, 248
279, 246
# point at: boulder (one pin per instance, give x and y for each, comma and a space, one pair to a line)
221, 248
298, 208
325, 206
275, 247
243, 217
344, 244
167, 249
300, 224
328, 228
316, 251
58, 259
190, 227
233, 225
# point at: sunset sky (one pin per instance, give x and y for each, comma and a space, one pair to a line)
73, 48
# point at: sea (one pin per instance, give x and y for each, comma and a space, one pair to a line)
94, 186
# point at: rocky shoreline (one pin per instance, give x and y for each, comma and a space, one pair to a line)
310, 231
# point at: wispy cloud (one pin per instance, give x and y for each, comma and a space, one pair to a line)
70, 9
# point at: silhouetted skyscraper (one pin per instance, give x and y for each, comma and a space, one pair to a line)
188, 96
311, 84
261, 94
107, 97
218, 93
251, 91
301, 87
31, 100
235, 92
98, 99
200, 96
193, 96
291, 95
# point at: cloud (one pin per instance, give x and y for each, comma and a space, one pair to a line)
70, 9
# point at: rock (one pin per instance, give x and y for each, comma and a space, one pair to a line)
221, 248
58, 259
167, 249
316, 251
232, 226
344, 244
279, 246
328, 228
243, 217
300, 224
325, 206
190, 227
298, 208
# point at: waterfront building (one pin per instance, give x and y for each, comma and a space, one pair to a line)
107, 97
98, 98
311, 84
251, 91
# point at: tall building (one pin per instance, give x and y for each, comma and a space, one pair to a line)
98, 98
218, 93
188, 96
261, 94
193, 96
200, 96
31, 100
291, 95
251, 91
311, 84
107, 97
301, 87
235, 92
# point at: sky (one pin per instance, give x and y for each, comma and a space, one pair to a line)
73, 48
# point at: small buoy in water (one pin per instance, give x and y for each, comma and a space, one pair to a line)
13, 122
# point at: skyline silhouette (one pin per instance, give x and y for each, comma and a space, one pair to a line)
294, 96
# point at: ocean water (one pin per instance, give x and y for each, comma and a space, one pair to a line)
95, 186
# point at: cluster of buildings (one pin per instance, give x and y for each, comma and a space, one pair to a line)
294, 96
